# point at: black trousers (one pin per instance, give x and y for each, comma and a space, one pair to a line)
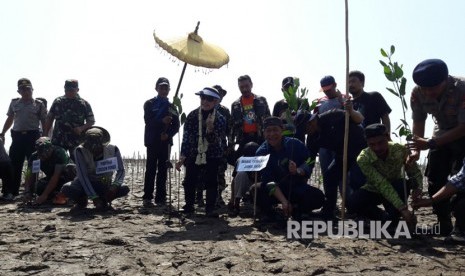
211, 182
443, 162
22, 146
157, 156
366, 203
458, 209
6, 175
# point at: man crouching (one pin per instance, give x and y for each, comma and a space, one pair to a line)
96, 161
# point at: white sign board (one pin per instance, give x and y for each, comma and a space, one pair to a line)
36, 166
252, 164
106, 165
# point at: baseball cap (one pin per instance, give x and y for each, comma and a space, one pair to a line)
208, 91
23, 82
71, 84
162, 81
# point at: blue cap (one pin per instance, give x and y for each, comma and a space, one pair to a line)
430, 73
208, 91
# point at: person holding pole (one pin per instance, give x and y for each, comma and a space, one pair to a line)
161, 124
284, 179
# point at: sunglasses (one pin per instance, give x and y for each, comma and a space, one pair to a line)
207, 98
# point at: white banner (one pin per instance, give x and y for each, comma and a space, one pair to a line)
252, 164
106, 165
36, 166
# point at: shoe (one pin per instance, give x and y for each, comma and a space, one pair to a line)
457, 236
188, 209
160, 202
234, 208
147, 203
445, 227
8, 197
212, 214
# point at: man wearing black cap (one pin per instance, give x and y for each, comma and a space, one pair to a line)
53, 162
96, 162
26, 115
372, 105
327, 131
161, 124
280, 108
382, 162
202, 149
72, 115
284, 179
223, 110
443, 97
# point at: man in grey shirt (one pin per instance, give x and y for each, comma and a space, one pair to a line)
25, 114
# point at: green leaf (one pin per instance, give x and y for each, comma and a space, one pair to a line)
403, 82
182, 95
387, 70
383, 53
390, 77
383, 63
404, 122
398, 72
392, 91
177, 101
183, 118
393, 49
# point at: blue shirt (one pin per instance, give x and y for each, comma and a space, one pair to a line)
277, 168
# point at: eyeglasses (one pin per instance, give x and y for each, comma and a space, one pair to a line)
207, 98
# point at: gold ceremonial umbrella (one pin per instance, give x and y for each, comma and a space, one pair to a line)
193, 50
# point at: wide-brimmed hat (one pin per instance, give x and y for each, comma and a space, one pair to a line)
96, 136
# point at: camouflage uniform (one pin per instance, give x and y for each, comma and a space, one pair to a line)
69, 113
447, 113
262, 111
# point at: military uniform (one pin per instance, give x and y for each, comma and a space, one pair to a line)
69, 113
447, 159
26, 130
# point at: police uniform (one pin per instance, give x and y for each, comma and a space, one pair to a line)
447, 113
26, 130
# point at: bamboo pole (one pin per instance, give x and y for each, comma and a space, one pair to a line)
346, 130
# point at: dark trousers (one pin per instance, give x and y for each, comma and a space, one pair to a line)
74, 190
458, 209
211, 182
331, 179
366, 203
306, 197
6, 175
443, 162
157, 156
22, 146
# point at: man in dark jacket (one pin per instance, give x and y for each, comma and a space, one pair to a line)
161, 124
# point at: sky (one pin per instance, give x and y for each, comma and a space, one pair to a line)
109, 47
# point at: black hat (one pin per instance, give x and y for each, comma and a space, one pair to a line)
162, 81
71, 84
375, 130
23, 82
272, 121
287, 82
96, 137
326, 82
430, 73
220, 90
250, 148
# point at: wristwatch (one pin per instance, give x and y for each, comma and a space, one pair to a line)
432, 144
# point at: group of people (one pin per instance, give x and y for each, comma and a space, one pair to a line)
79, 163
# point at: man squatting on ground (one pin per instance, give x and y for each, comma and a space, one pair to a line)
94, 181
284, 179
382, 162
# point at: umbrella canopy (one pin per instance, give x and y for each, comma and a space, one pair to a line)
194, 50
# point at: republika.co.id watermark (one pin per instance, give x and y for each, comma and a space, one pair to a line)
353, 229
